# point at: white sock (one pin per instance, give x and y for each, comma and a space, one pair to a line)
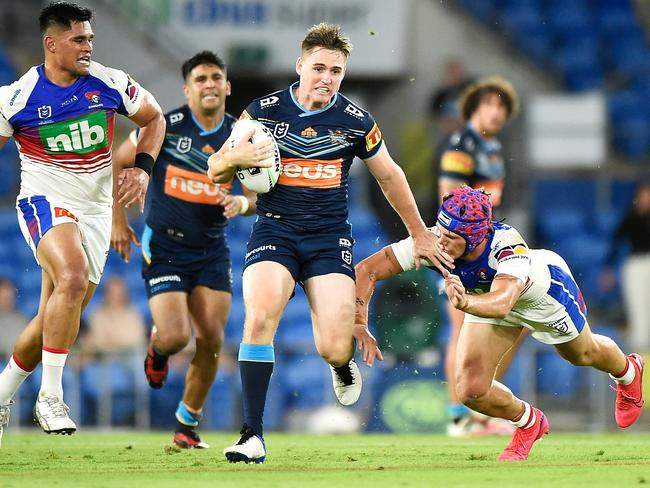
628, 376
10, 380
53, 363
527, 419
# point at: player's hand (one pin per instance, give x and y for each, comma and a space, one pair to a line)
122, 235
246, 154
426, 246
367, 344
231, 206
132, 187
455, 290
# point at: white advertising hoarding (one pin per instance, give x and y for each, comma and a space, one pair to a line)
377, 28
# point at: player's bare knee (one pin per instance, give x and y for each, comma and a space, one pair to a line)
336, 355
73, 284
258, 327
172, 340
211, 342
471, 391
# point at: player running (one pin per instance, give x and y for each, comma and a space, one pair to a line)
61, 115
186, 267
302, 234
503, 286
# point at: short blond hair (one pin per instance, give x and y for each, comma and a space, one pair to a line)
327, 36
472, 96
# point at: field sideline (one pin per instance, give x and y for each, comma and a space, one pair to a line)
147, 460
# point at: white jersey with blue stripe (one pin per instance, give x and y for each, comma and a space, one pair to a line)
550, 304
64, 135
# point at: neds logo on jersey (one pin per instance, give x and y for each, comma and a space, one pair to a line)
80, 135
311, 173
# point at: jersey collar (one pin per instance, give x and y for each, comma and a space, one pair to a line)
205, 132
305, 112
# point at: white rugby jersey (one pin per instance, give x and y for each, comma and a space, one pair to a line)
64, 135
544, 272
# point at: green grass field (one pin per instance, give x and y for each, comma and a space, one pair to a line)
147, 460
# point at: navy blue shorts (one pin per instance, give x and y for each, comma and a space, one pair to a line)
304, 252
170, 265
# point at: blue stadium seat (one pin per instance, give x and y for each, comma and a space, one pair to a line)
219, 413
555, 375
306, 381
537, 44
484, 10
558, 222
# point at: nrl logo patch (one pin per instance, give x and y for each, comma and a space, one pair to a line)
280, 130
45, 112
184, 144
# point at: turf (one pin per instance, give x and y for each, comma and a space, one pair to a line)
147, 460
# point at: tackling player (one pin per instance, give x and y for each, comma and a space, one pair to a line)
186, 267
61, 115
503, 286
473, 157
302, 234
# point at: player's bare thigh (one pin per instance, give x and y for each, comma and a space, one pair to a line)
61, 255
331, 299
209, 310
267, 287
479, 351
171, 316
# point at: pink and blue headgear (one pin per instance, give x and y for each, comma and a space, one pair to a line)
468, 213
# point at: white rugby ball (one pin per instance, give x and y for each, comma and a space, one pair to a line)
259, 180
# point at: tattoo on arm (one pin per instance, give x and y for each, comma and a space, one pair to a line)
360, 302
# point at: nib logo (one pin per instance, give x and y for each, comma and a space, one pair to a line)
81, 135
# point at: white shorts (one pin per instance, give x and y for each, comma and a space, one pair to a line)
554, 318
38, 214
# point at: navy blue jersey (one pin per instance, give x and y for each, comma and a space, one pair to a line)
183, 200
317, 149
474, 160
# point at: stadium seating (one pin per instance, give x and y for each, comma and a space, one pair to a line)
590, 45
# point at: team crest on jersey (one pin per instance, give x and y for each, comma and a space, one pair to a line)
352, 110
269, 101
309, 133
280, 130
184, 144
92, 96
338, 137
176, 118
45, 112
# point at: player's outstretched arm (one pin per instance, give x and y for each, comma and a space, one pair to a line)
122, 234
496, 303
133, 182
380, 266
393, 183
223, 164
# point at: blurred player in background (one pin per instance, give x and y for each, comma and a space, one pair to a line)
503, 286
61, 115
186, 267
472, 156
302, 234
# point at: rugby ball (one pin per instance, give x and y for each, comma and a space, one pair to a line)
259, 180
